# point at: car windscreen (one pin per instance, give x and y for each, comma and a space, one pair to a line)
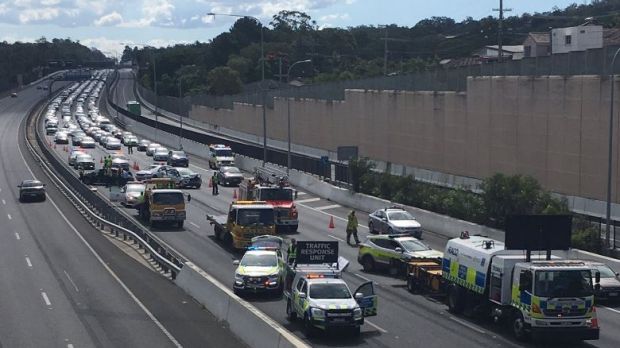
223, 153
413, 245
259, 260
169, 198
276, 194
32, 184
605, 271
84, 158
247, 217
399, 215
179, 153
232, 170
134, 188
185, 171
329, 291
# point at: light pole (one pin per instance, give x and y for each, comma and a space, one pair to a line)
609, 153
180, 116
288, 112
152, 56
262, 59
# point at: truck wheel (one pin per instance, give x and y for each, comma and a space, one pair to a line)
216, 232
180, 224
368, 263
371, 228
519, 327
410, 285
290, 314
356, 331
308, 328
455, 300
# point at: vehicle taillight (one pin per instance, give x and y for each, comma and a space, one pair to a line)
293, 212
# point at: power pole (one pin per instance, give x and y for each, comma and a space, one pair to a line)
501, 9
385, 51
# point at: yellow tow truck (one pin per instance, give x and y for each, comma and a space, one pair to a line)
245, 220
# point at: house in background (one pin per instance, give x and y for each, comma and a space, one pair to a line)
537, 45
514, 52
579, 38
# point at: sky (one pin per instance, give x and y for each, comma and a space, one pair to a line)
109, 25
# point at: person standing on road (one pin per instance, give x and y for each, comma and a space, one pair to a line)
352, 228
291, 253
214, 184
130, 148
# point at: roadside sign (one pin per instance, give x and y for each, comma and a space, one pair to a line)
309, 252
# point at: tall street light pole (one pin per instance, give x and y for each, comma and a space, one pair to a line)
609, 154
262, 59
288, 108
180, 117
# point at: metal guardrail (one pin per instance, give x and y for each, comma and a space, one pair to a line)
304, 163
94, 207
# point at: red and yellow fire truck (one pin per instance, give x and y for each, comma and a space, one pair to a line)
272, 186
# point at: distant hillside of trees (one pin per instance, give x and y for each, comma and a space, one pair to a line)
31, 59
232, 59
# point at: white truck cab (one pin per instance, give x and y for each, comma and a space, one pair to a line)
220, 155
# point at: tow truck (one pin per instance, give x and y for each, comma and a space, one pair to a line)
316, 294
272, 186
245, 220
162, 204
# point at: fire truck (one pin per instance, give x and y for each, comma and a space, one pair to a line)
272, 186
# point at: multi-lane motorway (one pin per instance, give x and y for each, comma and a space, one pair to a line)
64, 284
404, 319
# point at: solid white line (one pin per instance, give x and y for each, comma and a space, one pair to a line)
105, 265
334, 237
466, 324
9, 215
376, 326
611, 309
28, 262
316, 199
597, 255
299, 193
71, 280
328, 214
46, 299
362, 277
328, 207
17, 236
3, 202
194, 224
69, 345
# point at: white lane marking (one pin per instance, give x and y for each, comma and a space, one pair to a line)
325, 207
28, 262
194, 224
3, 202
362, 277
9, 215
299, 193
336, 238
328, 214
71, 280
17, 236
597, 255
46, 299
105, 265
376, 326
308, 200
611, 309
466, 324
69, 345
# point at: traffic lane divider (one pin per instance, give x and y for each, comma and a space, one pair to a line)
244, 320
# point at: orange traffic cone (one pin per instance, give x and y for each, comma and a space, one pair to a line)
235, 194
101, 160
331, 222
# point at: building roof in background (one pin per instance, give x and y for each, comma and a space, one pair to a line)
507, 48
611, 37
541, 38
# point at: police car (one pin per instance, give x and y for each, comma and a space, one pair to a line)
391, 251
261, 269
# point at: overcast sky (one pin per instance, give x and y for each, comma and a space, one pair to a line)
108, 24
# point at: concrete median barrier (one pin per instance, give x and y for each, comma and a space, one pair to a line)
247, 322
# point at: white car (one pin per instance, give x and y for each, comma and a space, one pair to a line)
87, 143
394, 221
112, 143
150, 150
160, 154
132, 194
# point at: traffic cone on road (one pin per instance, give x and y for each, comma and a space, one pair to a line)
101, 160
331, 222
235, 194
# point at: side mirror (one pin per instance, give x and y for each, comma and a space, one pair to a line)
296, 194
189, 198
597, 277
399, 249
236, 262
302, 295
358, 296
597, 286
20, 185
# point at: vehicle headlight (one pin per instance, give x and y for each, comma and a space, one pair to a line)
317, 312
357, 313
238, 279
274, 278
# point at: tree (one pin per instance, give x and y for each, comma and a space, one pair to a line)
509, 195
292, 21
240, 65
224, 80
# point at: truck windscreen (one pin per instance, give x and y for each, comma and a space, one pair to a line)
247, 217
223, 153
566, 283
276, 194
168, 198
